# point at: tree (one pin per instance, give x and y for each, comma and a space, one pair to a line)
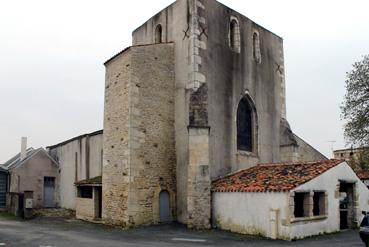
360, 160
355, 107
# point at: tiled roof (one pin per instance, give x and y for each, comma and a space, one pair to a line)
91, 181
281, 177
363, 174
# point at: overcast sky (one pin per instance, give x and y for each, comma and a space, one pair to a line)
52, 54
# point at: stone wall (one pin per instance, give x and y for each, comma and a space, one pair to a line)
85, 208
299, 151
139, 144
115, 179
199, 184
175, 22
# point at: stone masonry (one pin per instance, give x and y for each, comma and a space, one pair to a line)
139, 153
171, 111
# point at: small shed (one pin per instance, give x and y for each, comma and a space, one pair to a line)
89, 199
290, 201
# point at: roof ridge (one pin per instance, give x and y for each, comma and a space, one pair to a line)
275, 177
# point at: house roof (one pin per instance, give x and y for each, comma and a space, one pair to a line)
280, 177
16, 160
90, 182
98, 132
363, 174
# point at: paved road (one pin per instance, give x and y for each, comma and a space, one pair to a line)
62, 233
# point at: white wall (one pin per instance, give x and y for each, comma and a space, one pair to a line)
329, 181
65, 155
249, 213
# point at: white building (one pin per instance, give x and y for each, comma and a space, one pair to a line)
79, 158
290, 201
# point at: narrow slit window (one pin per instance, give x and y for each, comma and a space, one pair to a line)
256, 47
234, 36
158, 34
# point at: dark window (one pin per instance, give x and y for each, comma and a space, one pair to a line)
49, 181
85, 192
158, 34
301, 200
244, 126
319, 203
299, 205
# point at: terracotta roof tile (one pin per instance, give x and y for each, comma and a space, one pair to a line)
363, 174
280, 177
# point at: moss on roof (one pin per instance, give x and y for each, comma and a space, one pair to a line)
90, 181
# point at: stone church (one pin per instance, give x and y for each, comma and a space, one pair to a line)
199, 95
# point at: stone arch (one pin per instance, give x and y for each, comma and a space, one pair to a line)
256, 47
247, 125
234, 35
158, 34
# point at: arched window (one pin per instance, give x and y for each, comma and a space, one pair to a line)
158, 34
245, 126
234, 35
256, 47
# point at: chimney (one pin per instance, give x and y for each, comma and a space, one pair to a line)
23, 148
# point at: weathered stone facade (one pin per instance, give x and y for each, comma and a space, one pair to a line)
139, 149
171, 111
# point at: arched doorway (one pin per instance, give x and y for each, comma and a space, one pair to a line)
164, 207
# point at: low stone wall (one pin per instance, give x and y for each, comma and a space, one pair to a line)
12, 203
85, 208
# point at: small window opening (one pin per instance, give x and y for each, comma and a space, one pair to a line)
256, 47
158, 34
319, 203
234, 36
85, 192
301, 204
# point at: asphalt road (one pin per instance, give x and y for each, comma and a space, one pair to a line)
63, 233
